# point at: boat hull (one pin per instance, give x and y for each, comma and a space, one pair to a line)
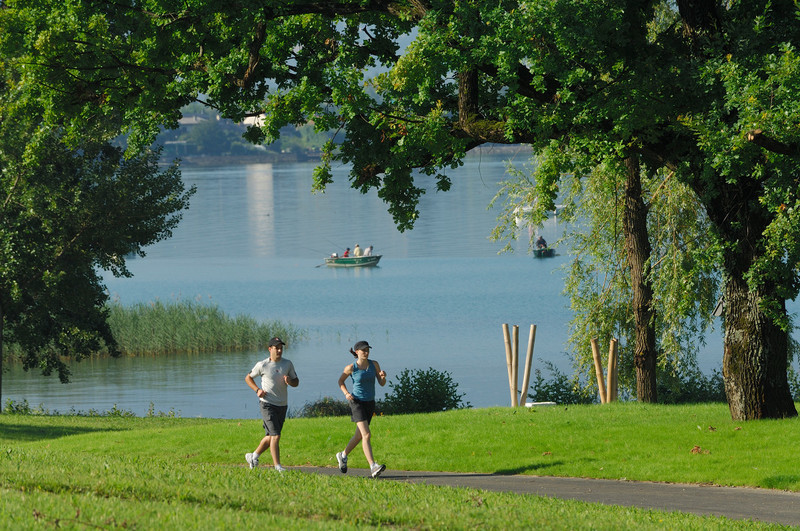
544, 253
353, 261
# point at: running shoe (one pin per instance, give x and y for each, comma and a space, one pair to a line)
251, 459
342, 462
376, 469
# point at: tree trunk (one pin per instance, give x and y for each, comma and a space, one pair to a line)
756, 349
637, 247
755, 361
467, 98
2, 318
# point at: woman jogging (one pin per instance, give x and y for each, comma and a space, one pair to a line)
363, 372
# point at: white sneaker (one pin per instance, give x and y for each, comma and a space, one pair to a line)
376, 469
342, 462
251, 459
279, 468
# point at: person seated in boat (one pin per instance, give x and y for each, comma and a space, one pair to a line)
334, 255
357, 251
540, 243
368, 251
346, 253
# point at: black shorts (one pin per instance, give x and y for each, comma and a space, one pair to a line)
274, 417
361, 410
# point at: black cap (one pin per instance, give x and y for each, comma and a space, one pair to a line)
361, 345
275, 341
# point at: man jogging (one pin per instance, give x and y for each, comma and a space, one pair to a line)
277, 373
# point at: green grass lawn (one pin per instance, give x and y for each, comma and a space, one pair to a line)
161, 473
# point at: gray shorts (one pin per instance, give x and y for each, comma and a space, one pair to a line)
362, 410
274, 417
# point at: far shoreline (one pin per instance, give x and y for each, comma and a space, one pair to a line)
200, 161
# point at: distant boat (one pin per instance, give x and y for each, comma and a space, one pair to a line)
353, 261
546, 252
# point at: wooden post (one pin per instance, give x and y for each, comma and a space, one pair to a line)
507, 338
598, 369
515, 366
526, 376
612, 373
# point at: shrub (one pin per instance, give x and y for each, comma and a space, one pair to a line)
794, 383
325, 407
687, 387
23, 408
559, 389
690, 387
418, 391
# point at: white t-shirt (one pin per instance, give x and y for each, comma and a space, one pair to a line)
272, 382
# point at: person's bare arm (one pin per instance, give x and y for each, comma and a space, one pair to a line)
252, 385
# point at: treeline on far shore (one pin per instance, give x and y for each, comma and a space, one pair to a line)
157, 327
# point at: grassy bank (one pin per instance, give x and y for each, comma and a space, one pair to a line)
166, 472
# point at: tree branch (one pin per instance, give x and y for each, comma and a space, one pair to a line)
757, 137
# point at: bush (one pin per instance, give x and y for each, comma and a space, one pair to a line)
418, 391
325, 407
23, 408
690, 387
794, 383
560, 389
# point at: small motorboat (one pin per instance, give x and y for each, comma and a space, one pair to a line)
353, 261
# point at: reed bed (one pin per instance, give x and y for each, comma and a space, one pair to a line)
159, 327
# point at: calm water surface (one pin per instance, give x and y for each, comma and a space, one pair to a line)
252, 243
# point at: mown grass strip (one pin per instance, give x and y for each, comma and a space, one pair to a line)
157, 472
110, 491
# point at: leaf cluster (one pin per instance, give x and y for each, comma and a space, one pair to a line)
67, 211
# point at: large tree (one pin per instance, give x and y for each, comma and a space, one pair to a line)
705, 89
66, 213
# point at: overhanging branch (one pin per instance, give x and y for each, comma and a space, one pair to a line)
757, 137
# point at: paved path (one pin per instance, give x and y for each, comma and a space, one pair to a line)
733, 502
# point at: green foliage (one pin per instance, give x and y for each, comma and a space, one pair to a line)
65, 218
709, 96
794, 382
690, 387
181, 326
23, 408
418, 391
325, 407
682, 268
687, 386
560, 388
161, 327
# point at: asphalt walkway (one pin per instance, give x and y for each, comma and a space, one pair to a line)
738, 503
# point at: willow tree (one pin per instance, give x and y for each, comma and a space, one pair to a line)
707, 90
658, 351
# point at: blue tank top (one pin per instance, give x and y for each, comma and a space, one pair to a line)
363, 382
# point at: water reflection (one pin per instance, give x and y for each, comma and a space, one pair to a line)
261, 209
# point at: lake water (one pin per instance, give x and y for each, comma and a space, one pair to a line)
252, 243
